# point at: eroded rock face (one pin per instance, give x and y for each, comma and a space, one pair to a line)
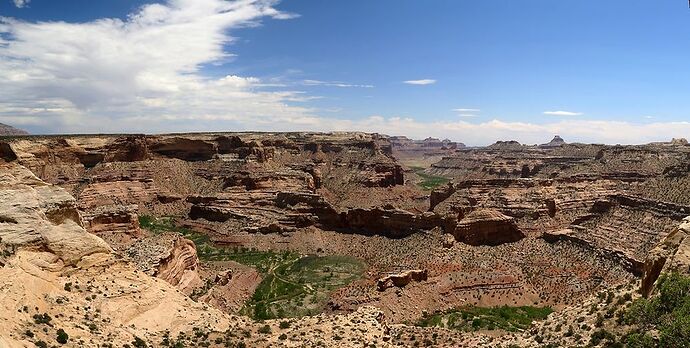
120, 222
33, 212
672, 254
394, 223
183, 148
52, 253
179, 268
487, 227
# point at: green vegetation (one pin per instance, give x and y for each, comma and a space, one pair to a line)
480, 318
301, 286
62, 336
292, 285
667, 313
207, 251
429, 182
42, 319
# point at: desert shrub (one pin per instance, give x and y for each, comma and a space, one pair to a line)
42, 318
62, 336
265, 329
139, 343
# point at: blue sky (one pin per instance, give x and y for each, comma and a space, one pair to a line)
596, 71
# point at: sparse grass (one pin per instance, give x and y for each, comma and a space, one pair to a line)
429, 182
480, 318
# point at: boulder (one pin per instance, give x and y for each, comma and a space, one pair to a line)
401, 279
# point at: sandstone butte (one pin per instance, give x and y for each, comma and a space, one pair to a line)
513, 225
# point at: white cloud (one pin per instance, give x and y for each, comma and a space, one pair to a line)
485, 133
467, 115
143, 73
21, 3
334, 84
420, 82
562, 113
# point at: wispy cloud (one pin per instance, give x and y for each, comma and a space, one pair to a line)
563, 113
334, 84
467, 115
420, 82
21, 3
467, 110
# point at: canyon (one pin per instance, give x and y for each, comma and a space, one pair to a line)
332, 239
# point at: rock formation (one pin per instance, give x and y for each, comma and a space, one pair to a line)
58, 268
179, 267
401, 279
487, 227
555, 142
672, 254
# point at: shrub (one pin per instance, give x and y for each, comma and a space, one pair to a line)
265, 329
62, 336
668, 313
42, 318
139, 343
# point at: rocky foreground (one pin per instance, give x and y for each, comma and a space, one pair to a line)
307, 239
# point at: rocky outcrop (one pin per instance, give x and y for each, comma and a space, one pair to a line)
182, 148
58, 268
390, 222
672, 254
555, 142
401, 279
6, 152
128, 149
179, 267
235, 147
622, 257
35, 213
118, 224
487, 227
384, 175
285, 180
504, 145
